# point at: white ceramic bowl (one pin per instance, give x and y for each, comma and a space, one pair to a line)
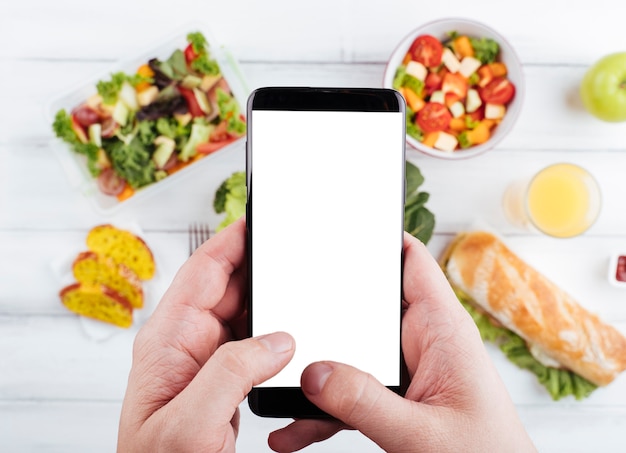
440, 29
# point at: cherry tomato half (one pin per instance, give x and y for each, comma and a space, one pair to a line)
433, 117
209, 147
190, 54
499, 91
192, 102
109, 127
85, 115
427, 49
110, 183
432, 82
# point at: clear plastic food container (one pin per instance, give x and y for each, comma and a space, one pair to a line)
75, 165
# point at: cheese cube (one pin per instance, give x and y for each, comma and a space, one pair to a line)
469, 65
450, 60
494, 111
457, 109
94, 101
473, 101
120, 113
147, 96
208, 81
417, 70
128, 95
446, 142
438, 96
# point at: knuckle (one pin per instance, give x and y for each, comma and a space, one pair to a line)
356, 400
229, 358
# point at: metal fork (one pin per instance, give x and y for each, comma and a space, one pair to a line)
198, 234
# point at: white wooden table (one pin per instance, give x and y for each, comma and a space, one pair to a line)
61, 391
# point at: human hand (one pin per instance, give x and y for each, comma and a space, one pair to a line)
455, 400
187, 378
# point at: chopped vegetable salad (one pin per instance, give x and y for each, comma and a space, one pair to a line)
141, 127
456, 90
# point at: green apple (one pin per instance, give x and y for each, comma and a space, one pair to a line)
603, 88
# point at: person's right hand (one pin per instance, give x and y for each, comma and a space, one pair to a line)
455, 400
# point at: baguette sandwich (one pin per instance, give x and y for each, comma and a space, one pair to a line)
536, 324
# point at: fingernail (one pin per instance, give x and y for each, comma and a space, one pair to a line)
277, 342
315, 377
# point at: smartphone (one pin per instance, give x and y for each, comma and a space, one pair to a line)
325, 216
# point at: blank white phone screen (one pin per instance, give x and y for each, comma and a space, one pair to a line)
327, 190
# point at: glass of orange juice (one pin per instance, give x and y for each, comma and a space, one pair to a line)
562, 200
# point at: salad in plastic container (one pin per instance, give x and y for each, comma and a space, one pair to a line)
150, 120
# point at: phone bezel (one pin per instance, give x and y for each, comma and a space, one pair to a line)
290, 402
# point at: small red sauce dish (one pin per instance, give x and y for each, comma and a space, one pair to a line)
617, 270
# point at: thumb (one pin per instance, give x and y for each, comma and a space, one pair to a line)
215, 393
359, 400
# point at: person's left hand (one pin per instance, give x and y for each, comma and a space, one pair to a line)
187, 379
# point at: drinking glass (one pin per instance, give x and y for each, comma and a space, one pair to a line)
562, 200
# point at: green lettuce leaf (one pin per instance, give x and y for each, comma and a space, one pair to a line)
229, 112
133, 162
230, 198
485, 49
559, 383
109, 89
62, 127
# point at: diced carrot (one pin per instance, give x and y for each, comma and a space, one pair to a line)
455, 83
142, 86
489, 122
480, 134
430, 139
415, 102
145, 71
407, 58
457, 124
126, 193
498, 69
485, 74
451, 98
463, 47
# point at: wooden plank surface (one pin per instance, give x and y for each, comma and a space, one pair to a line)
62, 381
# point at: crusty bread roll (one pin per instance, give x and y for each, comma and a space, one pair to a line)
98, 302
527, 303
93, 269
124, 248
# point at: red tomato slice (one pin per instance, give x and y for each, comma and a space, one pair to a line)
79, 130
427, 49
499, 91
432, 83
478, 115
192, 102
110, 183
190, 54
433, 117
209, 147
109, 127
433, 80
85, 115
